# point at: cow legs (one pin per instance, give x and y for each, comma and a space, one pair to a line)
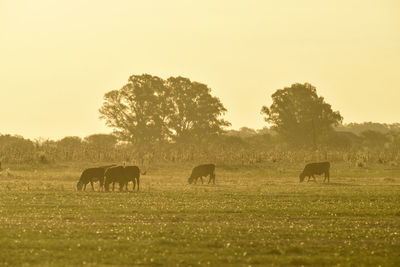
326, 176
101, 184
134, 184
137, 183
315, 180
121, 186
309, 178
201, 177
212, 178
91, 183
84, 187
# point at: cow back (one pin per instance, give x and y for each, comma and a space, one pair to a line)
203, 170
317, 168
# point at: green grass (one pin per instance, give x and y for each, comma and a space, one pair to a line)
253, 216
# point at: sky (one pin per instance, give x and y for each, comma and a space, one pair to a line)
59, 58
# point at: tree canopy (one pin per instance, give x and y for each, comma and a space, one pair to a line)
195, 111
300, 116
137, 111
149, 110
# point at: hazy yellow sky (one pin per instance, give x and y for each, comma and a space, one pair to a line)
58, 58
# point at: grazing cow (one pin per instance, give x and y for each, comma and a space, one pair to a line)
122, 175
92, 175
132, 173
316, 168
202, 170
114, 175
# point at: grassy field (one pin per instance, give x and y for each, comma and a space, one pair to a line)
252, 217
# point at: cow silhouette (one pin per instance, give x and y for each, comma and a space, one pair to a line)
202, 171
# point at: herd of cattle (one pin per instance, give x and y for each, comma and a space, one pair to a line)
111, 174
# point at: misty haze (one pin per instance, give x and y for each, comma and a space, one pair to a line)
196, 133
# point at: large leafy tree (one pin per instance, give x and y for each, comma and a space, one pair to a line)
138, 111
196, 113
300, 116
149, 110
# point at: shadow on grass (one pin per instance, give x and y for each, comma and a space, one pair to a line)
294, 250
339, 184
274, 251
330, 184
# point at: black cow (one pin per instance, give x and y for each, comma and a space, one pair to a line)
114, 175
122, 175
92, 175
132, 174
202, 170
316, 168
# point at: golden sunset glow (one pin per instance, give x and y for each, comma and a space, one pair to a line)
59, 58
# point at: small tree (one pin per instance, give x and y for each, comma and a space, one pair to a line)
69, 147
299, 115
102, 145
99, 141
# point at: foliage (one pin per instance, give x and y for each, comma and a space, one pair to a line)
244, 147
16, 149
148, 110
70, 147
195, 113
300, 116
344, 140
102, 145
106, 141
358, 128
374, 138
243, 132
139, 110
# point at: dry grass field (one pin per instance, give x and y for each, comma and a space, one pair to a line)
252, 217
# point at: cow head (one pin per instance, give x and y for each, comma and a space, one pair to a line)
190, 180
79, 186
302, 176
106, 186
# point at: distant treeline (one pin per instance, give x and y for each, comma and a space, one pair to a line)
358, 128
356, 143
179, 120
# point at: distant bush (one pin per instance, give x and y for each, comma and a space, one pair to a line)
246, 148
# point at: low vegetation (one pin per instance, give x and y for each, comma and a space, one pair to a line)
253, 216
